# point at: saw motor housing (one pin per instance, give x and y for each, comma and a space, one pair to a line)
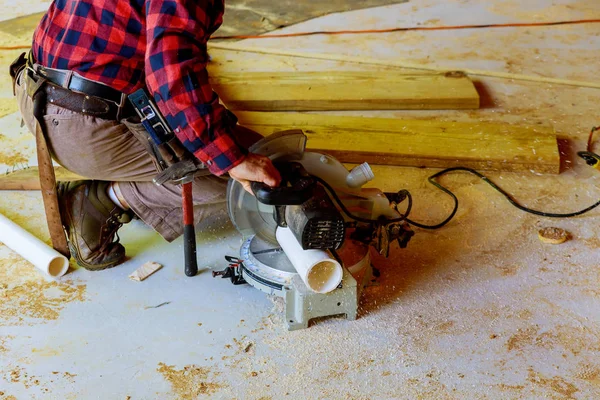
317, 223
304, 206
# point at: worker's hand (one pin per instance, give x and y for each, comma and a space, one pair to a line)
255, 168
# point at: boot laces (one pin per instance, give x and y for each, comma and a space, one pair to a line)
110, 231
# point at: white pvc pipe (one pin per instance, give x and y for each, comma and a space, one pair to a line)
318, 270
44, 257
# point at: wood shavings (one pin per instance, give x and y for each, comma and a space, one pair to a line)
145, 271
3, 343
189, 382
553, 235
39, 300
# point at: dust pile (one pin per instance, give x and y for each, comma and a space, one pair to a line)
190, 382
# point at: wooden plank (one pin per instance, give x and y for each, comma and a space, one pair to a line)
344, 90
379, 141
398, 63
419, 143
27, 179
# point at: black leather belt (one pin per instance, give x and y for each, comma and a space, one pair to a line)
87, 97
68, 80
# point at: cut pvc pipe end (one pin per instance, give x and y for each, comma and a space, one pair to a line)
58, 266
32, 249
324, 276
319, 271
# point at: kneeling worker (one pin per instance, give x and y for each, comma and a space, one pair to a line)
87, 57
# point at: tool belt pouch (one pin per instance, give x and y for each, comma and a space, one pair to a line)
17, 66
136, 128
35, 83
173, 158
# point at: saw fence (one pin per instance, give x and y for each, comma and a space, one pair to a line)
271, 101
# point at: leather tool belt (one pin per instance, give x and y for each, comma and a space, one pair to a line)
73, 92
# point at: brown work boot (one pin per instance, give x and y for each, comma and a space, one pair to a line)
91, 221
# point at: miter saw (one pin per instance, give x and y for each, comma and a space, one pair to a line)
323, 205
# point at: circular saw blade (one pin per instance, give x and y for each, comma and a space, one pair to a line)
248, 215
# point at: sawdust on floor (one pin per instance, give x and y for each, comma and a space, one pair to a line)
41, 301
191, 381
3, 343
19, 375
24, 294
557, 384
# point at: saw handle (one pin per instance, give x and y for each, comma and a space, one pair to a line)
296, 194
297, 186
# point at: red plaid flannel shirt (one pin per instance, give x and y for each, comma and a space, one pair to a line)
160, 44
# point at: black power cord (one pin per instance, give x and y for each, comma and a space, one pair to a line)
503, 192
405, 194
403, 217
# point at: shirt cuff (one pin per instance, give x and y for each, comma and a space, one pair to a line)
221, 155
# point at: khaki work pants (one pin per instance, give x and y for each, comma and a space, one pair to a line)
116, 151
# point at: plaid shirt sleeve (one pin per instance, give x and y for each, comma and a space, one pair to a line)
175, 65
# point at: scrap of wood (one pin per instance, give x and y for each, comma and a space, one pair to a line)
553, 235
344, 90
400, 64
419, 143
145, 271
28, 179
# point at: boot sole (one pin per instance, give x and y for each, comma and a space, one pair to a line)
73, 248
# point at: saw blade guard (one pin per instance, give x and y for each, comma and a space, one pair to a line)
248, 215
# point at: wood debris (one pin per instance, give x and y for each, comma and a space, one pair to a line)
553, 235
145, 271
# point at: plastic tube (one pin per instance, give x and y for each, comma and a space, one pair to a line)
360, 175
32, 249
318, 270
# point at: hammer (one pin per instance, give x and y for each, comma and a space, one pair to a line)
189, 232
183, 172
178, 166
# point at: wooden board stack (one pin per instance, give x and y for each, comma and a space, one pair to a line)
379, 141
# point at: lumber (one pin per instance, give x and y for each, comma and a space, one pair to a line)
391, 142
402, 64
28, 179
344, 90
419, 143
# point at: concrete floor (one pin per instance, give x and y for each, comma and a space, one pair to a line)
479, 309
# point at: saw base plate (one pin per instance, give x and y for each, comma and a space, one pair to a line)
269, 270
